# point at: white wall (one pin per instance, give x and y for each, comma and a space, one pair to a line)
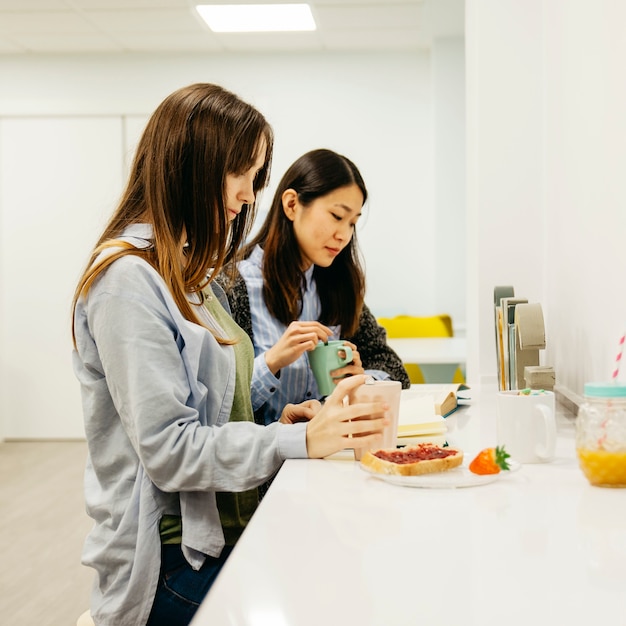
546, 138
68, 124
504, 165
448, 264
585, 190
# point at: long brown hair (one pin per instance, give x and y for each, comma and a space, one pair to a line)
177, 183
341, 285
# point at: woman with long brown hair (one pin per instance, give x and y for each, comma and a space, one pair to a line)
174, 458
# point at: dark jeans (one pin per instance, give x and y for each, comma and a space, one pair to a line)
181, 589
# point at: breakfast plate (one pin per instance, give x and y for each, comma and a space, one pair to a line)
451, 479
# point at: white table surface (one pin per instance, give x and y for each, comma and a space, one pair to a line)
438, 357
332, 545
430, 350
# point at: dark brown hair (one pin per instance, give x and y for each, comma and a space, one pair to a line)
341, 285
177, 183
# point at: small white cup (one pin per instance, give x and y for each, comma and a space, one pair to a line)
387, 391
526, 425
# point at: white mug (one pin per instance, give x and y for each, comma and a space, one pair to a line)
387, 391
526, 425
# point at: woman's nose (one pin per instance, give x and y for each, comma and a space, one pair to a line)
344, 232
246, 193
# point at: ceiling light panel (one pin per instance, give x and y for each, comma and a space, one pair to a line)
248, 18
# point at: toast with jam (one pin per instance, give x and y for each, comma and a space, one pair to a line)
424, 458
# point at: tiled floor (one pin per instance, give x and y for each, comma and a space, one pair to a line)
42, 528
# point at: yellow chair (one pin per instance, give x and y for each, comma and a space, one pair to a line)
413, 326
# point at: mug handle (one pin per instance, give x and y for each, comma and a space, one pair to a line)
546, 451
348, 351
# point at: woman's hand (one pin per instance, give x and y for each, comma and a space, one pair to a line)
295, 341
303, 412
354, 368
336, 426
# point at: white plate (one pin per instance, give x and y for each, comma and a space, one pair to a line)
451, 479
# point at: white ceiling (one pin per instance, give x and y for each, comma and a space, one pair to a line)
93, 26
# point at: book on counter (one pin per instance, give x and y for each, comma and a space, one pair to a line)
423, 409
443, 396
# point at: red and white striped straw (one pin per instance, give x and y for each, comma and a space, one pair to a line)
618, 358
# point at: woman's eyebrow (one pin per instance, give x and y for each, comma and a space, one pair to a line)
345, 207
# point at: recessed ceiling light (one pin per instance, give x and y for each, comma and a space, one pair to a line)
246, 18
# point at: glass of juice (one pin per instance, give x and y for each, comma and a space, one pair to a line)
601, 434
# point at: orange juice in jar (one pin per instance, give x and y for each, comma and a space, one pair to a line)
601, 434
603, 468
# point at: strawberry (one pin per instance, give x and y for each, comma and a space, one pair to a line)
490, 461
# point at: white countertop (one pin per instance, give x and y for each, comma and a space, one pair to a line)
332, 545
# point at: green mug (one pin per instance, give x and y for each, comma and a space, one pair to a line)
325, 358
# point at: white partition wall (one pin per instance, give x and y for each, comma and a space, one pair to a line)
546, 192
59, 179
505, 215
585, 188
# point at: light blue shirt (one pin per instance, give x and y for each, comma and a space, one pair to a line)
295, 382
157, 393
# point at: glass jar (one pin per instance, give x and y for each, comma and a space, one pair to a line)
601, 434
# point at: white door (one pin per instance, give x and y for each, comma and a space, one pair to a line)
60, 178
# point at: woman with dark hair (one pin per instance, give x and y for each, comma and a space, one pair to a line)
174, 456
301, 282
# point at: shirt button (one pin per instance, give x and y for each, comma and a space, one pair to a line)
272, 389
308, 394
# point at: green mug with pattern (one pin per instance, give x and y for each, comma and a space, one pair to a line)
325, 358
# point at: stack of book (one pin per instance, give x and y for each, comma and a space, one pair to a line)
520, 335
423, 409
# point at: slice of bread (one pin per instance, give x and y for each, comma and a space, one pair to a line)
423, 458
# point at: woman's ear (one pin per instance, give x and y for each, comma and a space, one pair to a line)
290, 199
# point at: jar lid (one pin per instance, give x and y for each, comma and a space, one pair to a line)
605, 390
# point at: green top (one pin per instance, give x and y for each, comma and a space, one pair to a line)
235, 509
